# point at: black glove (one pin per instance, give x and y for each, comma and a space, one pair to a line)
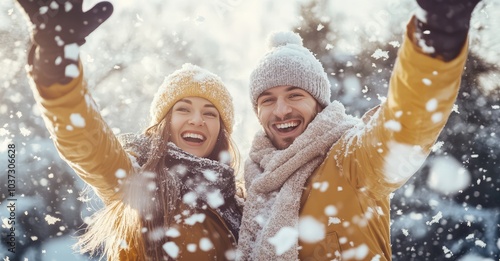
443, 25
58, 24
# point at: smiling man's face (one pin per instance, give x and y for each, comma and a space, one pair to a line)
284, 112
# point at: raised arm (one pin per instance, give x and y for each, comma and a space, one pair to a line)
80, 134
425, 81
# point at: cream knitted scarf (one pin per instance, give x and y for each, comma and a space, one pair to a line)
275, 180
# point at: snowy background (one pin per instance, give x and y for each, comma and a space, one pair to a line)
450, 210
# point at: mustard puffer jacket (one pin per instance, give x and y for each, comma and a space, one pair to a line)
88, 145
349, 192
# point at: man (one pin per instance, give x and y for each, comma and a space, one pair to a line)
318, 181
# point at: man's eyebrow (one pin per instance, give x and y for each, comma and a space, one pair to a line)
289, 89
264, 94
292, 88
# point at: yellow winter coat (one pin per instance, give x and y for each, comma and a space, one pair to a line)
361, 171
89, 146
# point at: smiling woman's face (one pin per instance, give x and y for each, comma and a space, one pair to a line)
195, 126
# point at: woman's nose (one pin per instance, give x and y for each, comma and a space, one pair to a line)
196, 119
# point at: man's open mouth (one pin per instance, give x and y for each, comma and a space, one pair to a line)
287, 126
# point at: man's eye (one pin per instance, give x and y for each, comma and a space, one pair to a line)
266, 100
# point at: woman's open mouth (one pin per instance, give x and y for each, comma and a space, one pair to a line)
193, 137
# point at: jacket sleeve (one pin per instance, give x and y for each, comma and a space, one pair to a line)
397, 138
81, 136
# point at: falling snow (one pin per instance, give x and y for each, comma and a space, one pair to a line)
77, 120
284, 239
448, 176
51, 220
215, 199
427, 82
321, 186
120, 173
206, 244
172, 232
189, 198
195, 218
431, 105
435, 219
356, 253
380, 54
311, 230
393, 125
331, 210
171, 249
448, 210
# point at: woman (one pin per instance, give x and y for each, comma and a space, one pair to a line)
182, 203
169, 193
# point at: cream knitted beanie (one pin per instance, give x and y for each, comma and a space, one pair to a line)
288, 62
194, 81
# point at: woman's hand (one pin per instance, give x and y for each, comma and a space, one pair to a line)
59, 27
60, 22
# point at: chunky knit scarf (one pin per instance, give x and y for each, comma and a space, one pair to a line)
210, 182
275, 180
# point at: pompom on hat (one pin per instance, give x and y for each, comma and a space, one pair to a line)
192, 81
288, 62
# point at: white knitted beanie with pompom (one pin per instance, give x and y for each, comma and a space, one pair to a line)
288, 62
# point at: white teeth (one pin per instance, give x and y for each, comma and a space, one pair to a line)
287, 125
193, 135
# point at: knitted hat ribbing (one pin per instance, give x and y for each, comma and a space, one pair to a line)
288, 62
194, 81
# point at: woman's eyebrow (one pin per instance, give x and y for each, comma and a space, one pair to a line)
209, 105
186, 101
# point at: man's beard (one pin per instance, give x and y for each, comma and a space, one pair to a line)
284, 144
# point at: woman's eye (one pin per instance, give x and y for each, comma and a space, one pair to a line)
182, 109
211, 114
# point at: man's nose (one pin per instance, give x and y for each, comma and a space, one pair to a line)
282, 108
